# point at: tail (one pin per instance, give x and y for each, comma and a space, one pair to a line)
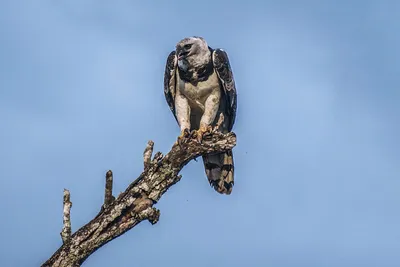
219, 170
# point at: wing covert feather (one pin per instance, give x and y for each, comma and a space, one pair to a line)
225, 74
170, 81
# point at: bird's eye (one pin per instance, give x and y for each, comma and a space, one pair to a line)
187, 46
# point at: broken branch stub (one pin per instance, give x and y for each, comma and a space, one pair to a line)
66, 230
135, 204
108, 197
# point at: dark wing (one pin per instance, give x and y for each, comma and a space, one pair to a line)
170, 81
224, 71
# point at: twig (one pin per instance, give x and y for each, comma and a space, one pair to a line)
157, 157
66, 231
148, 152
108, 197
135, 204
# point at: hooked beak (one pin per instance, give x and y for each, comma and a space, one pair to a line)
182, 54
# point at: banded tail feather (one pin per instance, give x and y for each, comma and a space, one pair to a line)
220, 171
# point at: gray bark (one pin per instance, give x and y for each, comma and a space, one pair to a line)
135, 204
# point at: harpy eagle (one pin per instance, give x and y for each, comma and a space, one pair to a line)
198, 87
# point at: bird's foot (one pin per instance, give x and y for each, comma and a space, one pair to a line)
202, 131
181, 138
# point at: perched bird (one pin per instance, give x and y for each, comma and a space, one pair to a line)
198, 87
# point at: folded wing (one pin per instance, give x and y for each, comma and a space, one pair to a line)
170, 81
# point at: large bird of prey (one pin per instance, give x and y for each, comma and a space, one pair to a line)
198, 87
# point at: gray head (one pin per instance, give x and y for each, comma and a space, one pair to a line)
193, 52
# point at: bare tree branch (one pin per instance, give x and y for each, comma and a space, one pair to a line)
66, 231
108, 197
147, 154
135, 204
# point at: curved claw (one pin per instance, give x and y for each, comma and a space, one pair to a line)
200, 132
184, 134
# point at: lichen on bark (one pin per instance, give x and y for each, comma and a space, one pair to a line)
135, 204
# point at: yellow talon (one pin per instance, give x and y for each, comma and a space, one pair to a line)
183, 135
201, 131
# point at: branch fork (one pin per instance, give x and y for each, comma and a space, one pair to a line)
135, 204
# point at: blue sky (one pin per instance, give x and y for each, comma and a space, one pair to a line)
317, 160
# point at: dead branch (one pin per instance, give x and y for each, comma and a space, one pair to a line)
136, 203
66, 231
108, 197
147, 154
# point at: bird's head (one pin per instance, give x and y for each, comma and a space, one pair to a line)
194, 50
